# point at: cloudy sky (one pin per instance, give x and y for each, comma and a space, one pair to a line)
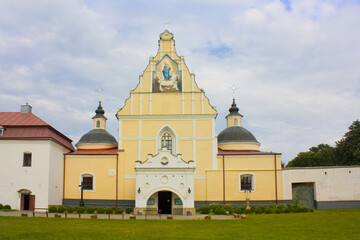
296, 64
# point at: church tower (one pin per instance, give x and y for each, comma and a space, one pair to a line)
98, 137
234, 117
99, 120
167, 126
236, 137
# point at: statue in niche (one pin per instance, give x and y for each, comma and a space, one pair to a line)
167, 77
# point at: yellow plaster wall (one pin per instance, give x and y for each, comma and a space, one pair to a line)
249, 162
149, 128
214, 186
130, 128
239, 146
102, 123
200, 189
147, 147
264, 185
105, 185
186, 148
203, 156
203, 128
131, 155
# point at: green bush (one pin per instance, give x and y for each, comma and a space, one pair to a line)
281, 206
277, 210
52, 209
311, 210
303, 209
247, 211
1, 206
61, 209
295, 209
69, 209
128, 210
109, 210
287, 210
270, 210
258, 211
7, 207
219, 211
118, 210
90, 210
81, 210
240, 209
213, 206
230, 208
100, 210
204, 209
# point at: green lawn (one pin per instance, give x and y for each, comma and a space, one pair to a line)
322, 224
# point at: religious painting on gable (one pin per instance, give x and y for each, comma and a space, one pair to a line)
167, 77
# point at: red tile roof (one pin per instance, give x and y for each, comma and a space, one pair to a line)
28, 126
244, 152
20, 119
111, 151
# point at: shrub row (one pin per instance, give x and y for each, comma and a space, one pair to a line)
90, 210
220, 209
5, 207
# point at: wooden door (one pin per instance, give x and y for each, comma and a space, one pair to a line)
32, 203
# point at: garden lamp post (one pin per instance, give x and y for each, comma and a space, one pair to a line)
247, 197
82, 204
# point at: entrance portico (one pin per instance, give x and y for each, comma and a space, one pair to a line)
165, 182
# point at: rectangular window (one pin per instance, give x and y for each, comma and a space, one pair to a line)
27, 160
1, 131
87, 183
246, 182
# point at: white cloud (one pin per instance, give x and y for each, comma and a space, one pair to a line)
295, 69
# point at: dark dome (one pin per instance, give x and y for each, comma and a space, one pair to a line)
236, 134
98, 136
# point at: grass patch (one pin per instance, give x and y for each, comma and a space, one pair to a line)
322, 224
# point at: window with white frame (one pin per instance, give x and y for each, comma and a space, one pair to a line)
2, 130
235, 122
87, 181
166, 141
247, 182
27, 159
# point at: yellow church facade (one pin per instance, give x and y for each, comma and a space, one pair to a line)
168, 157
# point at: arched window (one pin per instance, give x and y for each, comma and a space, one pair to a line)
247, 182
235, 121
166, 138
87, 181
98, 123
166, 141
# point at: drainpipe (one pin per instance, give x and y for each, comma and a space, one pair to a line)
276, 190
64, 181
223, 158
117, 178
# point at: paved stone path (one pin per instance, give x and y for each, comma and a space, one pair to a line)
116, 216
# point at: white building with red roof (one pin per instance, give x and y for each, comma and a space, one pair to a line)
32, 161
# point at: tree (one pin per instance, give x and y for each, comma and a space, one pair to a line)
348, 148
322, 155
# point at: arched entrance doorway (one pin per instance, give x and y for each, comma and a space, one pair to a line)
165, 202
27, 201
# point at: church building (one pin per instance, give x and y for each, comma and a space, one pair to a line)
168, 157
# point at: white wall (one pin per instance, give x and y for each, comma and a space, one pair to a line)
331, 183
56, 173
13, 176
